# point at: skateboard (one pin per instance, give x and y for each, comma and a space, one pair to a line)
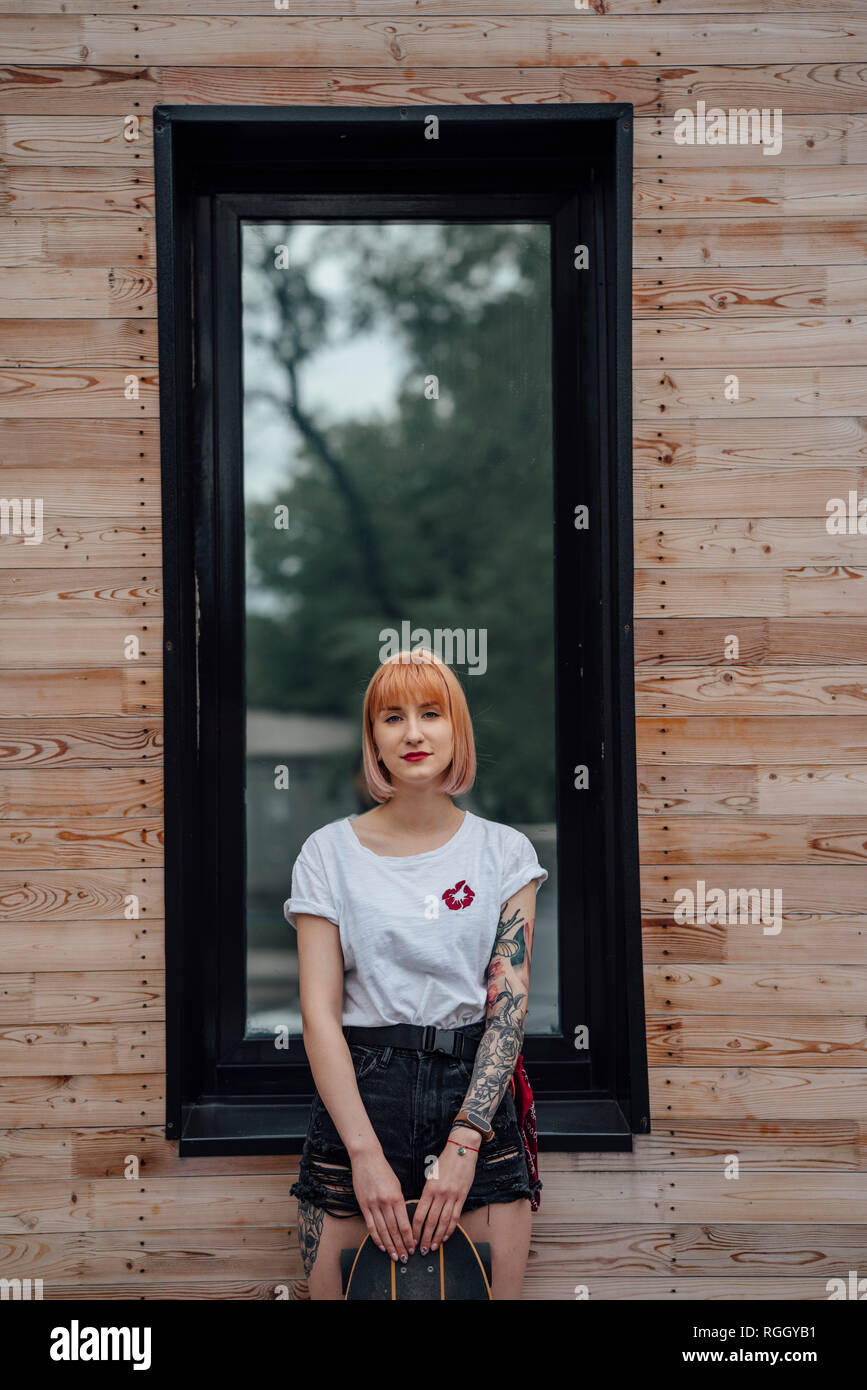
458, 1269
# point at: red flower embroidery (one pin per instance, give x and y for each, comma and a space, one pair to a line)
459, 896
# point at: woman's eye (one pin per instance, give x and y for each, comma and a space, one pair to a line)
434, 712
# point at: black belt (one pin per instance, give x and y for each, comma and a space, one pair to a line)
415, 1036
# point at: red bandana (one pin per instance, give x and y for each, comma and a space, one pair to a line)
526, 1112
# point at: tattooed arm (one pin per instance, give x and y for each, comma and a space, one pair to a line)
508, 992
445, 1191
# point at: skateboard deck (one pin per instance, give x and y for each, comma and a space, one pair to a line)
458, 1269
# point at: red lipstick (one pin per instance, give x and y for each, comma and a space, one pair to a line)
414, 757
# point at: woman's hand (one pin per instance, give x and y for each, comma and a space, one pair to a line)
382, 1202
443, 1198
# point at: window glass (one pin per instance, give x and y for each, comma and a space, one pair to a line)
398, 477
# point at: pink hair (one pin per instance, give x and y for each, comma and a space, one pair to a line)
408, 678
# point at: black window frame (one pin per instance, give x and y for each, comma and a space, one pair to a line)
572, 165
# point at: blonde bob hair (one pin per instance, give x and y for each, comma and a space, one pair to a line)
410, 678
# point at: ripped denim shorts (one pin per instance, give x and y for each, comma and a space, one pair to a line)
411, 1098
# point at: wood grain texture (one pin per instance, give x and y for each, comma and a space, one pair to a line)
279, 40
805, 789
121, 602
654, 88
100, 140
49, 292
75, 241
786, 342
404, 8
90, 343
49, 190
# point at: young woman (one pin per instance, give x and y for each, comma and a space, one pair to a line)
415, 929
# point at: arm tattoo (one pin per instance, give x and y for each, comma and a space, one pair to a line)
309, 1232
514, 947
501, 1042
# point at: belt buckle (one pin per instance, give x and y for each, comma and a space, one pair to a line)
429, 1037
441, 1045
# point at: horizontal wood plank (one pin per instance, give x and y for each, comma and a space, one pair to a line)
794, 391
521, 41
77, 996
759, 342
743, 740
687, 689
79, 543
402, 8
747, 194
51, 642
85, 292
130, 492
65, 895
102, 140
42, 745
752, 446
679, 988
730, 491
88, 1049
841, 941
69, 392
78, 343
126, 1098
54, 444
819, 592
654, 88
101, 842
778, 1040
764, 789
764, 543
112, 595
687, 839
91, 691
761, 241
767, 1093
824, 138
750, 291
75, 241
110, 945
808, 888
30, 794
52, 191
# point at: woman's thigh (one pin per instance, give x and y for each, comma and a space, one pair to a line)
321, 1238
507, 1227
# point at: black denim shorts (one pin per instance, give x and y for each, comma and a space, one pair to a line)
411, 1098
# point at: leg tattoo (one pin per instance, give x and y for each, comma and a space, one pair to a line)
310, 1220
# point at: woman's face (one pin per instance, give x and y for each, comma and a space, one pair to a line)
402, 733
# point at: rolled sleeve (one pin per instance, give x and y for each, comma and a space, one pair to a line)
310, 889
520, 867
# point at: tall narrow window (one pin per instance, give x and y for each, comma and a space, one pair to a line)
395, 411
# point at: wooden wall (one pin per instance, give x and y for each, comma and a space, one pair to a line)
752, 772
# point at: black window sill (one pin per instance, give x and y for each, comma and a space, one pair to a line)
239, 1126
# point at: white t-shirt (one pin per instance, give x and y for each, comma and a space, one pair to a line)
417, 932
